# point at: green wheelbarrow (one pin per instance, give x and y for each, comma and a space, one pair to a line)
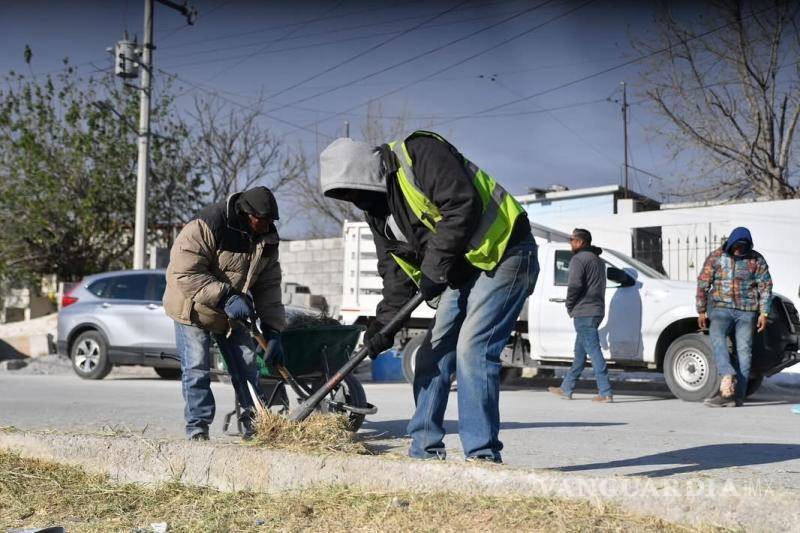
313, 355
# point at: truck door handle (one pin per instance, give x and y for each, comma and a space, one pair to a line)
152, 306
558, 300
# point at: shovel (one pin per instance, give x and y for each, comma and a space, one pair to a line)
302, 411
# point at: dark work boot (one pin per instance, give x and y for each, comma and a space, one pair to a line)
719, 401
247, 423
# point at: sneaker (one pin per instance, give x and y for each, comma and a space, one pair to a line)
436, 456
727, 387
560, 393
199, 436
486, 459
719, 401
603, 399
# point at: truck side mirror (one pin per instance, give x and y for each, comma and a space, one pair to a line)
620, 276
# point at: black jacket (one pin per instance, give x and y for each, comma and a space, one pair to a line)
586, 288
442, 177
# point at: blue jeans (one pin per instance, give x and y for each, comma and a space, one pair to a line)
723, 321
193, 349
472, 326
587, 341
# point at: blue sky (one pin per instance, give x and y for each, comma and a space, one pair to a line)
246, 48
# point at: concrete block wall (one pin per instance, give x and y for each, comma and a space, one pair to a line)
317, 264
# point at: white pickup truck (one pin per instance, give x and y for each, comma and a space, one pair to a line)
650, 322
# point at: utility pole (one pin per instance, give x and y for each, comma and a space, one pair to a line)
143, 162
347, 128
625, 133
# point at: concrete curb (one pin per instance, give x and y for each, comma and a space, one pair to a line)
229, 467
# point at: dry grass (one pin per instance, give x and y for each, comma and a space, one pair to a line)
39, 493
318, 433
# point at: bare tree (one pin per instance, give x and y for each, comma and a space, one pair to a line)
378, 128
235, 151
729, 89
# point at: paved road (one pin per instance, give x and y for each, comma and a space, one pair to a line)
644, 432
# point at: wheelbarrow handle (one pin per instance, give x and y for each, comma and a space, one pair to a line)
302, 411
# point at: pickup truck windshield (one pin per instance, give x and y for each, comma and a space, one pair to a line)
648, 271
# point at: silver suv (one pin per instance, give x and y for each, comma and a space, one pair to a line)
116, 318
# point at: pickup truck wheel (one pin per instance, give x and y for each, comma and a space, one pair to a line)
410, 359
689, 368
410, 356
89, 355
753, 384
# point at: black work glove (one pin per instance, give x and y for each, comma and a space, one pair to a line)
429, 288
239, 307
376, 342
274, 355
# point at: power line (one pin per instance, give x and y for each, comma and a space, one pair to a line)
609, 69
266, 46
393, 20
471, 56
199, 87
426, 53
565, 126
435, 49
370, 25
368, 50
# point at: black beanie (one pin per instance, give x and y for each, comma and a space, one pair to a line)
259, 202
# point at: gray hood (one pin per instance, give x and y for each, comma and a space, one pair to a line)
346, 165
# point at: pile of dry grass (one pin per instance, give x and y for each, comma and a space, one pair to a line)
317, 433
39, 493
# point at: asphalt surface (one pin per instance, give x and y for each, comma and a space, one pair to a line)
645, 432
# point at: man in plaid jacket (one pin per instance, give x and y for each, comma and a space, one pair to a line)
734, 292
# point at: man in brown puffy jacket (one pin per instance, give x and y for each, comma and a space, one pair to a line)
223, 271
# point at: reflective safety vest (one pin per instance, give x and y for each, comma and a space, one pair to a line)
500, 210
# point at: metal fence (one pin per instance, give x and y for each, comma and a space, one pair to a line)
680, 258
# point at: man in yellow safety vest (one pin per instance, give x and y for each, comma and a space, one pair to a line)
442, 226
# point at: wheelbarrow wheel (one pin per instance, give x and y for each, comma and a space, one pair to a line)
351, 392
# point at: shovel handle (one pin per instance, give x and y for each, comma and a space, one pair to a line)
302, 411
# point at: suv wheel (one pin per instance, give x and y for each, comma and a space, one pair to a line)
89, 355
689, 368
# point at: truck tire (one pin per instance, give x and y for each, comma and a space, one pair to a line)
410, 356
89, 355
689, 368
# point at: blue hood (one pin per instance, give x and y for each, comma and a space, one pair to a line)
738, 234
